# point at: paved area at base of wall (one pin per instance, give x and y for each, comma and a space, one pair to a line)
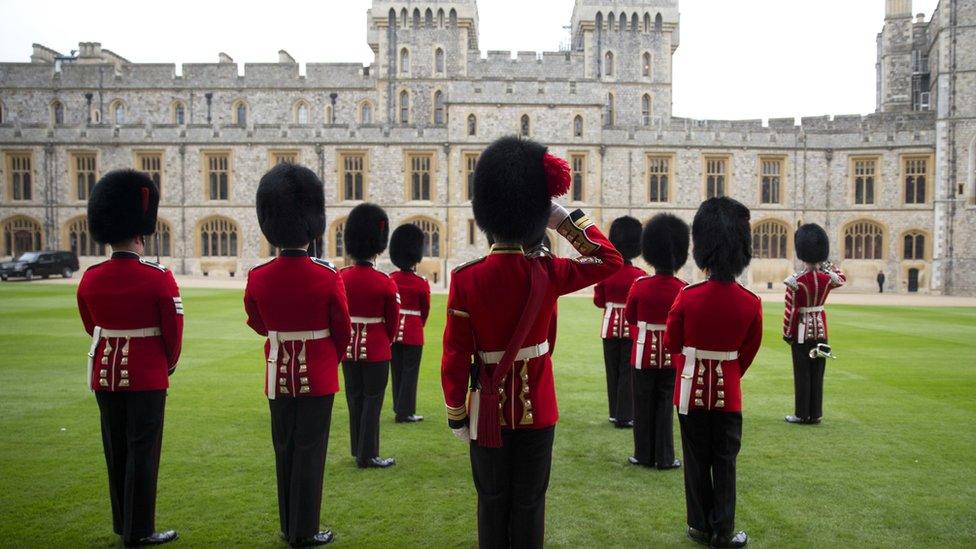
837, 298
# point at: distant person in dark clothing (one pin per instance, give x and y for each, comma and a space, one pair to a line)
881, 279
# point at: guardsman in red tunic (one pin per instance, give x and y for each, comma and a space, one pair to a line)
374, 307
665, 247
499, 320
132, 309
299, 304
805, 321
406, 251
610, 294
714, 330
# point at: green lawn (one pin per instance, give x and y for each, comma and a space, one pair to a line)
893, 464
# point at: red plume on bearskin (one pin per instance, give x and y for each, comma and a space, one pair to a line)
558, 175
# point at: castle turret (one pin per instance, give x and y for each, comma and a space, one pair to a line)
894, 66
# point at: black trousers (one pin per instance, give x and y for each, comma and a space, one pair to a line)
653, 412
365, 387
132, 437
711, 442
300, 434
616, 359
511, 482
404, 370
808, 377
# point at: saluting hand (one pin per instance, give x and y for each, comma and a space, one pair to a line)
557, 213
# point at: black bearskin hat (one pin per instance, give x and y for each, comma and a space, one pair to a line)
367, 232
511, 196
812, 244
291, 206
122, 206
722, 238
665, 243
406, 246
625, 235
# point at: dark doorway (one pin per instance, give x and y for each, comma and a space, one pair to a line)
912, 280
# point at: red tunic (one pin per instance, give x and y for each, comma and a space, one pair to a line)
714, 317
294, 293
610, 294
129, 293
374, 309
414, 293
486, 301
648, 303
806, 293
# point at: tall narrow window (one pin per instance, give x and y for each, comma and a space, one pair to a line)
179, 113
404, 61
57, 113
865, 171
432, 236
647, 22
916, 172
716, 175
770, 180
338, 238
913, 246
472, 232
646, 65
353, 176
19, 176
769, 240
160, 243
863, 240
608, 64
470, 163
438, 108
472, 125
118, 112
439, 61
240, 114
366, 113
658, 178
525, 125
646, 110
608, 114
404, 107
84, 174
80, 241
152, 165
578, 126
217, 175
623, 22
420, 176
301, 113
218, 238
578, 166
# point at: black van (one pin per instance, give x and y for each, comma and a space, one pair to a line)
43, 264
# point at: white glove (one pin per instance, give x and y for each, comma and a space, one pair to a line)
557, 213
463, 434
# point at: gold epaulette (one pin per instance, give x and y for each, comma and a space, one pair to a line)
791, 282
573, 229
468, 264
538, 251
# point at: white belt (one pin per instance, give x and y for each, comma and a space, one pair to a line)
410, 312
525, 353
801, 335
100, 333
642, 329
608, 311
366, 319
692, 356
275, 339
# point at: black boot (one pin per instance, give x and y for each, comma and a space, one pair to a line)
673, 465
698, 536
794, 419
413, 418
156, 538
735, 539
376, 463
322, 538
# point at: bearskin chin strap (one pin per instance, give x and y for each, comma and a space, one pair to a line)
489, 426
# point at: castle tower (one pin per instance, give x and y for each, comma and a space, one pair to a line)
894, 66
418, 44
628, 45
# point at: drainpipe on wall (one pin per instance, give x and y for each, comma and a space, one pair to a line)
209, 96
182, 151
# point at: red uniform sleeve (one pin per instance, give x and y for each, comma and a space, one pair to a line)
837, 277
674, 333
456, 360
789, 312
171, 320
425, 303
339, 325
391, 310
254, 319
752, 342
86, 317
630, 312
599, 295
599, 258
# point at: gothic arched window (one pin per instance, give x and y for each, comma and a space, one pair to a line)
864, 239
